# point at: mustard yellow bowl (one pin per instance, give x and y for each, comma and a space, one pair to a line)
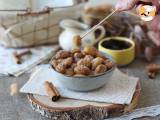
122, 57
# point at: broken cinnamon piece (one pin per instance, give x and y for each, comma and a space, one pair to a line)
13, 89
51, 91
18, 56
77, 40
153, 69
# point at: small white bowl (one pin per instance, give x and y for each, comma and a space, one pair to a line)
84, 83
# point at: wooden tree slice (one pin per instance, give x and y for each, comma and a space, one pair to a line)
71, 109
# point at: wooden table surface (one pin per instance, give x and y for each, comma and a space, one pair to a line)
17, 107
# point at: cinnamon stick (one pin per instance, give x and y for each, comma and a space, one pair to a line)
77, 40
153, 69
51, 91
47, 11
18, 56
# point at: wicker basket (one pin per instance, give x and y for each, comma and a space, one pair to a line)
27, 29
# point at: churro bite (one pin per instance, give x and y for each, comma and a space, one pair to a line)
81, 62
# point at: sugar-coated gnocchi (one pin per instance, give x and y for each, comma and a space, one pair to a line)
62, 54
81, 62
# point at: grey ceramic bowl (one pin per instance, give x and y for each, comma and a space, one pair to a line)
84, 83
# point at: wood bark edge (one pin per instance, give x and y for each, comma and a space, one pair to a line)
98, 112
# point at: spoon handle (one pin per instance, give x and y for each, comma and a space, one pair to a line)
94, 27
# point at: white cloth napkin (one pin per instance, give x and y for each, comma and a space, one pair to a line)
9, 67
118, 90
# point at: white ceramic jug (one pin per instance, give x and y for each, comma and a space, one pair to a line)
72, 28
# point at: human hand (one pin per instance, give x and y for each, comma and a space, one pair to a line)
123, 5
